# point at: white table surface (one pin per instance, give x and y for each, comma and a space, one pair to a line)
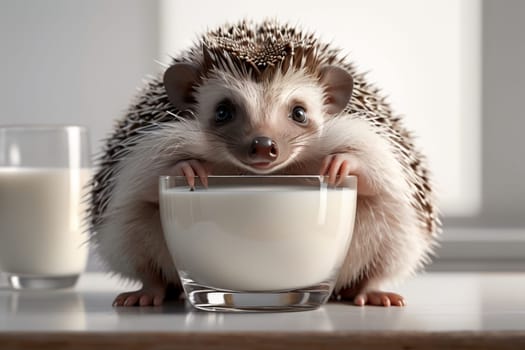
437, 302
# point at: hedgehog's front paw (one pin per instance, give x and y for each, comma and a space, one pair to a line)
191, 168
338, 165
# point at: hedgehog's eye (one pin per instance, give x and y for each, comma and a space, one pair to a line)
299, 115
224, 112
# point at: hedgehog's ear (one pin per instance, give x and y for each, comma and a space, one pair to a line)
178, 81
338, 85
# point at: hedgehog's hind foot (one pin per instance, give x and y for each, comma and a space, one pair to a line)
371, 297
148, 295
379, 298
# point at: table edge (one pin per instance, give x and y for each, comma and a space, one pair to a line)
265, 340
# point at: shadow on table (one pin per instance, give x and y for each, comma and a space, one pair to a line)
169, 307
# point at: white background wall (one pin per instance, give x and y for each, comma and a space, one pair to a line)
74, 62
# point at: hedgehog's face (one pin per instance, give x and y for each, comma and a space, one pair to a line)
263, 127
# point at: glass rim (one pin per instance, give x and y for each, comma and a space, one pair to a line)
44, 127
257, 176
169, 181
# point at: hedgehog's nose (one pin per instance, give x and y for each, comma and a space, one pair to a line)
264, 148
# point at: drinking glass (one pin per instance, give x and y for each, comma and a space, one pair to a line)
44, 176
258, 243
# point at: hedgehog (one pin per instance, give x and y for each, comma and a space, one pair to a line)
264, 98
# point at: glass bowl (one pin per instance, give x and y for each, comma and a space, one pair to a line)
258, 243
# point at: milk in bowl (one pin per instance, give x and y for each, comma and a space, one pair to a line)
258, 242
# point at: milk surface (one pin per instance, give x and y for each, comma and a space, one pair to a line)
258, 239
41, 216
